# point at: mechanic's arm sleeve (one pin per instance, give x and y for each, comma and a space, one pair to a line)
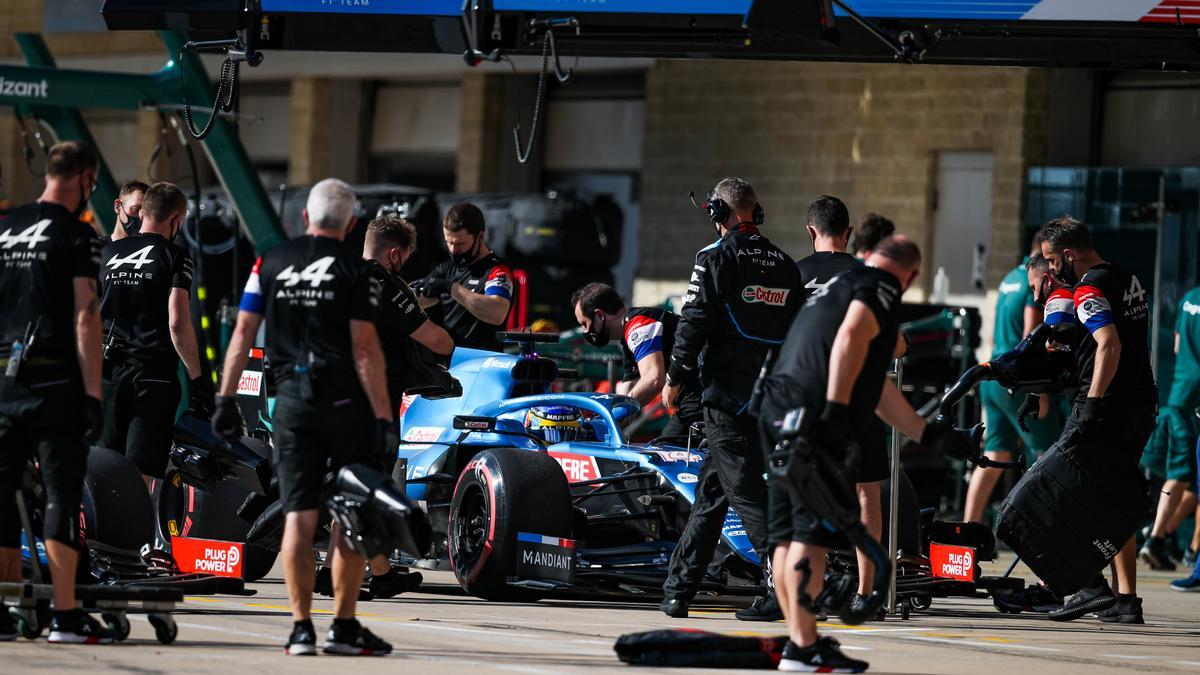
698, 318
411, 315
181, 276
364, 294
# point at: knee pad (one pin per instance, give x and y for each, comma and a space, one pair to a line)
61, 523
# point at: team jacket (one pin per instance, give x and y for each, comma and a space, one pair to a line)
43, 249
137, 275
741, 298
486, 276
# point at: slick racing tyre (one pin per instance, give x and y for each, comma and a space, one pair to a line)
502, 492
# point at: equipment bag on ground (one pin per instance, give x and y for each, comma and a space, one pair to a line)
699, 649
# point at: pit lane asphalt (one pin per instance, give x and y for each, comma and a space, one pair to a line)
440, 630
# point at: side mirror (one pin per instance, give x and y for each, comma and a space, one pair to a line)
474, 423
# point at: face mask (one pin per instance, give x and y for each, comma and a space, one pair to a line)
1042, 293
464, 259
132, 224
1067, 273
395, 267
597, 336
83, 199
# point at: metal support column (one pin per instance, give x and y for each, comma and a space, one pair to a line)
894, 499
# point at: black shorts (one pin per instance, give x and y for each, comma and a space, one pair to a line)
788, 519
41, 420
140, 405
313, 439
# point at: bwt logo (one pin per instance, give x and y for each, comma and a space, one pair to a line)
770, 296
24, 89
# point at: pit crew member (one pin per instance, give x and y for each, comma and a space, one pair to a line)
1017, 314
647, 337
835, 360
145, 283
740, 300
128, 207
320, 303
873, 229
473, 287
50, 374
829, 229
1171, 453
1114, 410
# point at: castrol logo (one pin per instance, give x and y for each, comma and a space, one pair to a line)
770, 296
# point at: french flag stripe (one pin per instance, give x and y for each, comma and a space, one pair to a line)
549, 541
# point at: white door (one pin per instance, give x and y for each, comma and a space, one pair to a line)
963, 220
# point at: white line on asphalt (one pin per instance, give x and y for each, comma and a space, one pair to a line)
1129, 657
1187, 663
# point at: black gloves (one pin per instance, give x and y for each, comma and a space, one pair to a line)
944, 438
93, 420
387, 439
227, 419
200, 395
431, 287
1029, 407
834, 430
1089, 418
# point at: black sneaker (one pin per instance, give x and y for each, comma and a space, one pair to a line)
76, 627
823, 656
1154, 553
676, 608
1123, 611
350, 638
765, 608
302, 642
323, 585
1037, 599
1095, 598
858, 603
394, 583
8, 627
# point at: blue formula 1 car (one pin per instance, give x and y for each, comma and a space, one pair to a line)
520, 509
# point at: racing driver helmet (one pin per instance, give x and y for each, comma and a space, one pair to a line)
554, 423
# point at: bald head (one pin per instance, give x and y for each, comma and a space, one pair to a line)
899, 255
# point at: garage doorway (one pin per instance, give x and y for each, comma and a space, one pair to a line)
963, 220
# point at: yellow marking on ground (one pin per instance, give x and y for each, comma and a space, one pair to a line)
200, 599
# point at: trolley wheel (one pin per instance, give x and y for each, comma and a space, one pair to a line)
28, 623
905, 610
164, 627
921, 602
118, 623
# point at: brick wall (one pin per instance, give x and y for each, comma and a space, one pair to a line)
866, 133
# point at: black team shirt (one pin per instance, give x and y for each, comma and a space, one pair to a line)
820, 268
137, 275
1109, 296
399, 317
43, 249
486, 276
801, 373
309, 289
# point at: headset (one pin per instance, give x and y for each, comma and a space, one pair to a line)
719, 211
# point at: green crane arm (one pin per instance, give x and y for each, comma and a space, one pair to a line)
56, 94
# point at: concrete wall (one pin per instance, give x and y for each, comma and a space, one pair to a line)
866, 133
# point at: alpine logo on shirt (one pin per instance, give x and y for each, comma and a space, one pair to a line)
30, 236
137, 259
303, 287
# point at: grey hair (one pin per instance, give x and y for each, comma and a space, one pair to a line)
330, 204
737, 193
